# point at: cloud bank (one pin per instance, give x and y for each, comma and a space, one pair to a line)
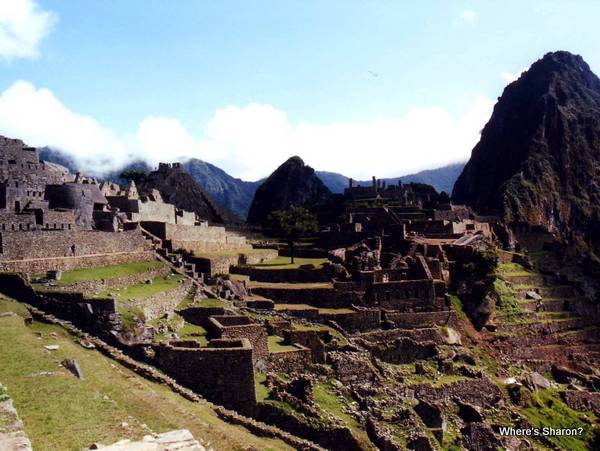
23, 26
250, 141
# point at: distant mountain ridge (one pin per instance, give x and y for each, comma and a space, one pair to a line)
236, 195
442, 179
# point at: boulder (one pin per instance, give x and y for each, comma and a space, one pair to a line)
531, 294
73, 367
535, 381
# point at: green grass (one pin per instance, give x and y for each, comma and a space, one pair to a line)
457, 307
514, 269
294, 307
61, 412
328, 400
212, 303
509, 304
145, 290
336, 311
286, 263
550, 411
260, 382
107, 272
276, 345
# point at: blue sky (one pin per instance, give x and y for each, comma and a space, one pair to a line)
358, 87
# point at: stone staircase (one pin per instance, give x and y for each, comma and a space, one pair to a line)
177, 261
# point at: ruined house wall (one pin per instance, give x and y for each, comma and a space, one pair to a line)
293, 275
221, 264
309, 339
318, 297
10, 221
156, 211
82, 198
238, 327
222, 375
199, 315
391, 293
358, 320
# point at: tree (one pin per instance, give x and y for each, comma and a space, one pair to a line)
293, 224
137, 175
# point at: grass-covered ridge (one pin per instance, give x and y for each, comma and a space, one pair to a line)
144, 290
61, 412
286, 263
108, 272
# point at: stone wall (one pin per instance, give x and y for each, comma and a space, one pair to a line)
290, 361
39, 265
163, 302
420, 319
224, 375
69, 243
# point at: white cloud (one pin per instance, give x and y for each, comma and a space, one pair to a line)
251, 141
23, 25
469, 16
509, 77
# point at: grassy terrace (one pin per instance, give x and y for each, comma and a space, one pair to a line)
294, 307
515, 269
145, 290
107, 272
276, 345
61, 412
286, 263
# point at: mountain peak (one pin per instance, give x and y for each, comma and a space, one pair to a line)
538, 155
292, 183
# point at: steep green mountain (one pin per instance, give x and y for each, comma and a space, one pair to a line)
538, 159
292, 183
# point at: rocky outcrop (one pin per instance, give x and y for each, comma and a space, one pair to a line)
538, 157
292, 183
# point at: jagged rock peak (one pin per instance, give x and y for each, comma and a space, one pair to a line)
292, 183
